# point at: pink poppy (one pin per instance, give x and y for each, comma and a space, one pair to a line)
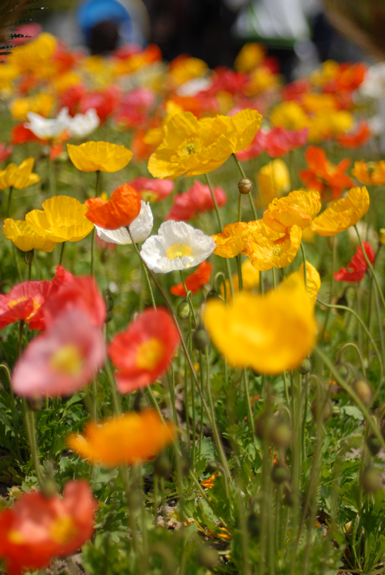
5, 151
195, 201
152, 190
62, 360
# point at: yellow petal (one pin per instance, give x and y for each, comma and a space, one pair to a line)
267, 248
103, 156
298, 208
25, 238
342, 213
312, 277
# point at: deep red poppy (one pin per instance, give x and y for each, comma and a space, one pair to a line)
195, 201
195, 281
255, 149
103, 101
144, 351
355, 270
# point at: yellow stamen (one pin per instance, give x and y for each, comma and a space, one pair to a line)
149, 354
178, 251
67, 360
15, 537
63, 529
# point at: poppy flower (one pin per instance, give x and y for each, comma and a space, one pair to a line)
103, 101
18, 177
267, 248
152, 190
279, 141
313, 280
82, 125
23, 302
273, 180
289, 115
99, 156
145, 350
254, 149
120, 210
62, 219
232, 240
355, 270
5, 151
298, 208
195, 281
250, 56
25, 238
127, 439
356, 139
342, 213
37, 528
195, 201
322, 175
370, 173
48, 129
177, 246
140, 229
22, 135
250, 279
62, 360
270, 333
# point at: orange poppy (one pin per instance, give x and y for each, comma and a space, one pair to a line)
369, 173
324, 176
357, 138
195, 281
120, 211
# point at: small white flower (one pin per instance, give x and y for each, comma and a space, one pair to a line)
140, 228
48, 129
82, 125
177, 246
374, 83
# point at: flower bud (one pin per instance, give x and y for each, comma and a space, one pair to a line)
279, 473
207, 556
322, 410
289, 495
263, 426
254, 524
305, 366
374, 444
162, 465
183, 310
28, 257
49, 488
141, 402
35, 403
370, 479
212, 466
245, 186
200, 338
281, 434
213, 294
363, 390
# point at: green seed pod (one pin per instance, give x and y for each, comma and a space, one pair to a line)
363, 390
183, 310
28, 257
370, 479
49, 488
141, 402
281, 434
245, 186
207, 556
264, 425
305, 366
322, 410
213, 294
200, 339
374, 444
254, 524
162, 465
279, 473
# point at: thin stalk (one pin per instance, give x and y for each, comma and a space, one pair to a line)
334, 250
369, 264
357, 349
304, 264
51, 178
145, 273
114, 391
188, 297
250, 416
9, 200
62, 252
242, 172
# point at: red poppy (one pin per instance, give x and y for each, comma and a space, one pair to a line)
355, 270
255, 149
323, 176
144, 351
135, 107
5, 151
104, 102
71, 98
195, 281
226, 80
37, 528
21, 135
296, 90
195, 201
152, 190
356, 139
348, 79
121, 209
279, 141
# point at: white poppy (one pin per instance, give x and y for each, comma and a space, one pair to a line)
177, 246
48, 129
82, 125
140, 228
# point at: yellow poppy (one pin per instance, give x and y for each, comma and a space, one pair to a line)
270, 333
25, 238
126, 439
298, 208
370, 173
35, 56
18, 177
103, 156
250, 56
313, 280
232, 240
342, 213
308, 235
289, 115
193, 147
267, 248
273, 180
184, 69
41, 104
62, 219
250, 279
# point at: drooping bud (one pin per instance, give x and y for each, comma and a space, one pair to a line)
212, 466
305, 366
35, 403
141, 402
213, 294
322, 410
200, 339
28, 257
207, 556
363, 390
183, 310
281, 434
254, 524
263, 426
162, 465
370, 479
245, 186
279, 473
374, 444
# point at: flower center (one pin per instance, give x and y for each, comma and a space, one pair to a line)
149, 354
15, 537
63, 529
67, 360
13, 303
149, 196
178, 251
190, 149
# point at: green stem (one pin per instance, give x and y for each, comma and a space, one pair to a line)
9, 200
304, 264
114, 392
334, 249
354, 346
371, 268
188, 297
62, 252
241, 170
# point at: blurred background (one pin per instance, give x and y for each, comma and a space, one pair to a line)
299, 33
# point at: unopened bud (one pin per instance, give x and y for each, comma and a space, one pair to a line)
183, 310
162, 465
281, 434
212, 466
49, 488
141, 402
28, 257
263, 426
213, 294
363, 390
370, 479
245, 186
322, 410
374, 444
200, 339
279, 473
305, 366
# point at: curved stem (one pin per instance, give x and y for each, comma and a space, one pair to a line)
369, 264
354, 346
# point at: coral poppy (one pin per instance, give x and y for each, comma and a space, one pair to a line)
279, 141
62, 219
270, 333
5, 151
127, 439
152, 190
99, 156
273, 180
195, 201
18, 177
37, 528
254, 149
298, 208
355, 270
25, 238
342, 213
23, 302
145, 350
140, 229
356, 139
62, 360
195, 281
120, 210
370, 173
267, 248
323, 176
177, 246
